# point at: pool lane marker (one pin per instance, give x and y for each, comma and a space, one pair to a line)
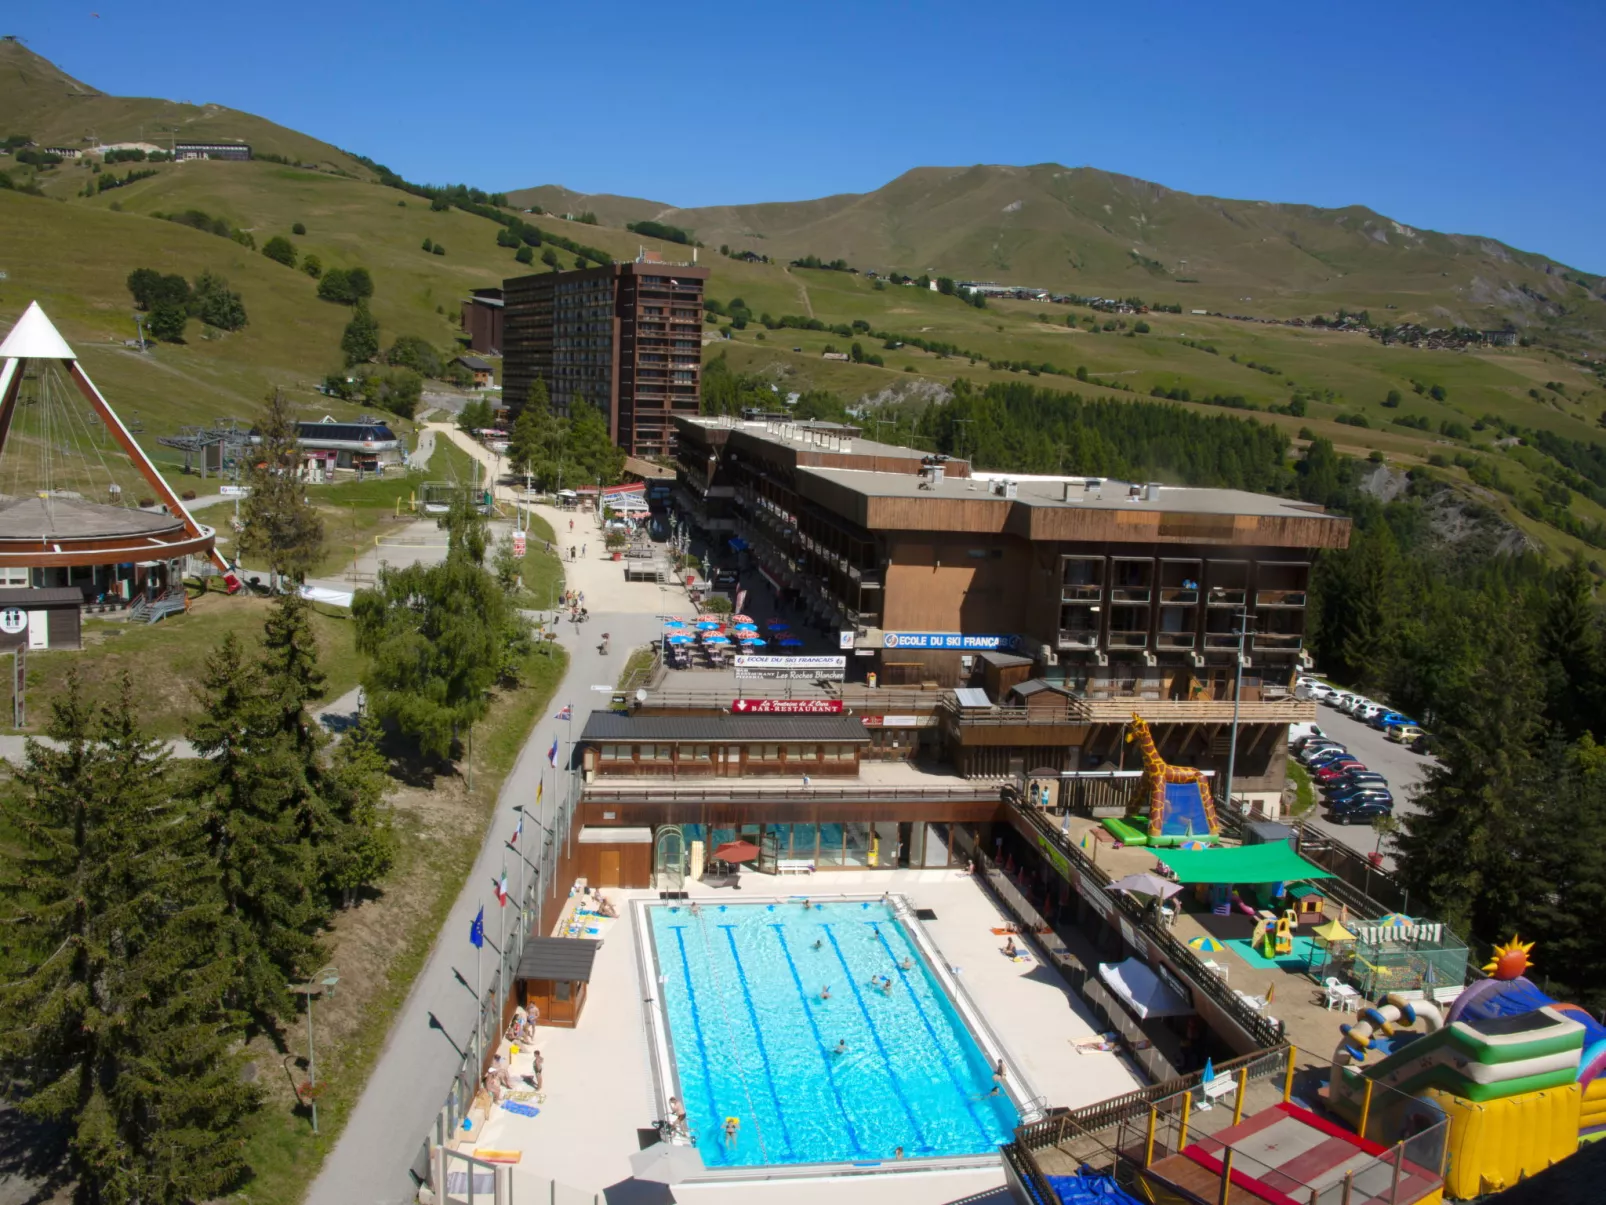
825, 1055
758, 1033
697, 1027
886, 1058
969, 1097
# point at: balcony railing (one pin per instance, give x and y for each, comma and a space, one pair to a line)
1271, 642
1176, 596
1228, 596
1279, 598
1078, 639
1221, 641
1130, 594
1081, 593
1174, 640
1128, 640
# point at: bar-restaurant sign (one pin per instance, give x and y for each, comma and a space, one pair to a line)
787, 707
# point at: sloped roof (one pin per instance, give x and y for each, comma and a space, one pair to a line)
568, 958
1271, 863
36, 338
714, 727
71, 518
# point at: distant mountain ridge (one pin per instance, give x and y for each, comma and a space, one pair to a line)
1083, 229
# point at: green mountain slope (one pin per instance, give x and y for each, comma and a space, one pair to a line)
37, 98
609, 209
1089, 231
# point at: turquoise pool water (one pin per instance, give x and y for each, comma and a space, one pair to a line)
753, 1040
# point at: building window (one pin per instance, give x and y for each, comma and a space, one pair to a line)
13, 577
615, 753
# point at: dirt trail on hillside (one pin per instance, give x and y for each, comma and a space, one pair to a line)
803, 292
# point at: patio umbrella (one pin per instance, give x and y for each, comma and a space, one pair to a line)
790, 642
741, 619
736, 851
709, 625
1396, 918
745, 626
776, 625
716, 638
665, 1164
1205, 945
674, 624
1193, 845
752, 642
677, 639
1147, 884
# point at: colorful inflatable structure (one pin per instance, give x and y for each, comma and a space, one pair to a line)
1180, 809
1514, 1072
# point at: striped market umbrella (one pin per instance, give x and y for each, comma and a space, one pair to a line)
1396, 918
741, 619
1205, 945
710, 618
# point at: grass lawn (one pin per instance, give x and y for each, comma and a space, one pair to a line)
543, 570
635, 670
166, 660
381, 945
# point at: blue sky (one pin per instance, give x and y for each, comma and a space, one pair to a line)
1476, 117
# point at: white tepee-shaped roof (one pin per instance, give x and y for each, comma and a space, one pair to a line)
35, 338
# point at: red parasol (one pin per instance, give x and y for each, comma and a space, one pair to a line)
736, 851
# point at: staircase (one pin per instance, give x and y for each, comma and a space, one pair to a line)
150, 610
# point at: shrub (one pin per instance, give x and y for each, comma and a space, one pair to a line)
167, 323
525, 255
416, 353
439, 249
348, 286
1438, 393
281, 250
215, 304
429, 244
312, 266
299, 228
1393, 399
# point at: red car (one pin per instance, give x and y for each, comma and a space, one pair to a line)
1336, 770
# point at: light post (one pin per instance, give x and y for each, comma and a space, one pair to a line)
1237, 690
323, 981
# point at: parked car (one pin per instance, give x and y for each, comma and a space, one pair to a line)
1322, 756
1350, 797
1310, 688
1343, 700
1363, 813
1319, 744
1358, 778
1423, 744
1403, 734
1367, 710
1298, 734
1331, 771
1391, 719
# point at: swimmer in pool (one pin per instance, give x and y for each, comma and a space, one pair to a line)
819, 943
825, 993
897, 1152
841, 1046
908, 964
886, 985
731, 1124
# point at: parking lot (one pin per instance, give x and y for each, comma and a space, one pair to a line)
1399, 765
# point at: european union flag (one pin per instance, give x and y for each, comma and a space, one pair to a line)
476, 931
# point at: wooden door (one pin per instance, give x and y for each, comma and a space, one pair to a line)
608, 870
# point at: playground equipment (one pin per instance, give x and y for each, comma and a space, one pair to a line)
1274, 934
1180, 808
1506, 1066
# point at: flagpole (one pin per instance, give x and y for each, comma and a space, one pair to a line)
479, 1000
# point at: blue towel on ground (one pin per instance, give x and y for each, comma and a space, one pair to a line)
522, 1109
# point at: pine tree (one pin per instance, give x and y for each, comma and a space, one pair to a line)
1569, 643
115, 920
1466, 854
251, 783
281, 526
355, 785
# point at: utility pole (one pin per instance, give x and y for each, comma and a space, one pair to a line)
962, 423
1237, 695
326, 980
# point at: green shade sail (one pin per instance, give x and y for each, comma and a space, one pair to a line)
1271, 863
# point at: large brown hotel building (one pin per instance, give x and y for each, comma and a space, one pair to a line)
1069, 602
626, 337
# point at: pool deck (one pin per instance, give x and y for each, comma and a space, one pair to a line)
598, 1084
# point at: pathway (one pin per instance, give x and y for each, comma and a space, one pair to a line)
370, 1162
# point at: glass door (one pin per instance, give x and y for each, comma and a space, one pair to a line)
669, 858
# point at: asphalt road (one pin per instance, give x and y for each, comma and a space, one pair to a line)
1399, 765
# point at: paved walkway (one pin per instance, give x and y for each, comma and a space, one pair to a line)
370, 1162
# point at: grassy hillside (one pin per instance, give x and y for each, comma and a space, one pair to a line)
39, 99
1088, 231
610, 210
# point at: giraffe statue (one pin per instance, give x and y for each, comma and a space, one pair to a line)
1157, 774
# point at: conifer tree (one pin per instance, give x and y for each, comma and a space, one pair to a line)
248, 779
1569, 642
281, 526
355, 786
115, 1027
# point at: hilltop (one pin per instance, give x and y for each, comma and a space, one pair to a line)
1089, 231
40, 100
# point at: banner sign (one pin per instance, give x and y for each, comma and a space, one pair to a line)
761, 661
945, 640
892, 721
787, 707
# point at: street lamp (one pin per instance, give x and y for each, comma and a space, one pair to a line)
323, 982
1237, 688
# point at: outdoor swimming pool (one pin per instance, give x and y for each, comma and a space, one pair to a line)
752, 1039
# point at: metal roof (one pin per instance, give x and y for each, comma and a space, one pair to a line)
24, 597
972, 696
73, 519
1033, 686
567, 958
1005, 660
473, 363
612, 726
319, 432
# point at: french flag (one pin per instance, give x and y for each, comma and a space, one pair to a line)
517, 831
552, 753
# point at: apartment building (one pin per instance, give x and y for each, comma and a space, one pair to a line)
626, 338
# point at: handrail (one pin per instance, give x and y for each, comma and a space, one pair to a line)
978, 791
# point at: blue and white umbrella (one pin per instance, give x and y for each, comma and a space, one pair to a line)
790, 642
678, 639
716, 638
